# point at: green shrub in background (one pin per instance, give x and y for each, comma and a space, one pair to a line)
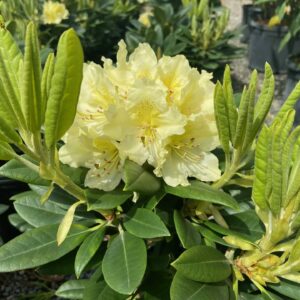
198, 29
144, 229
96, 22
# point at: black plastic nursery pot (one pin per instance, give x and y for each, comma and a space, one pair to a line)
264, 44
249, 13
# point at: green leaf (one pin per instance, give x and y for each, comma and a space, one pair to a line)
10, 62
30, 208
124, 263
101, 291
225, 231
137, 179
183, 288
66, 223
261, 169
65, 87
106, 200
16, 170
248, 138
222, 118
144, 223
286, 288
187, 234
16, 221
8, 134
87, 250
6, 152
242, 119
280, 134
246, 222
31, 80
289, 103
72, 289
203, 263
47, 75
3, 208
24, 251
265, 99
230, 105
201, 191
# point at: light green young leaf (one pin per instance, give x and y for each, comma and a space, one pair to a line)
265, 99
6, 151
87, 250
31, 80
248, 138
287, 162
230, 105
203, 263
24, 251
6, 110
10, 61
222, 118
261, 169
280, 134
7, 132
242, 119
48, 72
289, 102
124, 263
65, 87
66, 223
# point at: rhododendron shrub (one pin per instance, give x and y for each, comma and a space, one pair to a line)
147, 180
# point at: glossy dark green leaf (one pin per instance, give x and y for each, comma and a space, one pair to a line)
101, 291
144, 223
183, 288
106, 200
72, 289
30, 208
187, 234
203, 263
286, 288
124, 263
204, 192
24, 251
16, 170
87, 250
139, 180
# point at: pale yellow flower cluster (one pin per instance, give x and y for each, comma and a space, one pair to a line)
54, 12
146, 110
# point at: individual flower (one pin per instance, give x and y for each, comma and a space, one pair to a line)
145, 18
54, 12
145, 110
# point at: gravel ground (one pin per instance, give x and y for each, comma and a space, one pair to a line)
28, 285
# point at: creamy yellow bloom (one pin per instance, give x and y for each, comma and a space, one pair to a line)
145, 110
144, 18
54, 12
